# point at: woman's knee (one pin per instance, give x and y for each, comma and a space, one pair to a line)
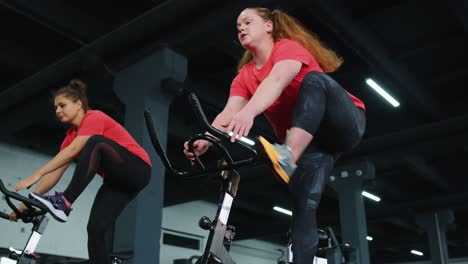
311, 103
93, 141
312, 83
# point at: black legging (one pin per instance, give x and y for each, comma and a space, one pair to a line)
125, 176
326, 111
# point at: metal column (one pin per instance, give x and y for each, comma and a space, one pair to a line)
347, 181
435, 224
140, 86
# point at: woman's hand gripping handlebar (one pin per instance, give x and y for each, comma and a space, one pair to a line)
217, 138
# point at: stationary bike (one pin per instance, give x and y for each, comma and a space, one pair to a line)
221, 233
35, 214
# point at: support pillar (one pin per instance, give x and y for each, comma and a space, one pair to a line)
140, 86
347, 182
435, 225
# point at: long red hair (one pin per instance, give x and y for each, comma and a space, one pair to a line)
287, 27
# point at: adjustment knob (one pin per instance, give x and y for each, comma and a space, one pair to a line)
205, 223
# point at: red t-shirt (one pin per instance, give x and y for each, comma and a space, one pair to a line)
96, 122
280, 113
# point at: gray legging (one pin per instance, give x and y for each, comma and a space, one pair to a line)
326, 111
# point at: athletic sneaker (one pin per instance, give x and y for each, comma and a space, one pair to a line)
55, 203
281, 159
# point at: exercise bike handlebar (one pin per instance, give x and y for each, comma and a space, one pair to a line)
33, 207
216, 137
3, 215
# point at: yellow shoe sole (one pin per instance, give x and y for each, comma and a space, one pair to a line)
274, 157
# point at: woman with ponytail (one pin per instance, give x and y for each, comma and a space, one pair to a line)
102, 146
283, 75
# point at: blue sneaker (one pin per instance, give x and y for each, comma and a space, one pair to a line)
55, 203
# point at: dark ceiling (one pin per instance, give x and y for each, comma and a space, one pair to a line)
414, 48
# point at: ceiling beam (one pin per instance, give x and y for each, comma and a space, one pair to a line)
438, 44
445, 135
419, 166
393, 157
31, 11
447, 77
19, 59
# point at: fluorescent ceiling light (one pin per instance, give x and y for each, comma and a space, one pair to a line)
415, 252
282, 210
244, 139
371, 196
382, 92
369, 238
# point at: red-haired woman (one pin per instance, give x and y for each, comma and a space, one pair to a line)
283, 75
